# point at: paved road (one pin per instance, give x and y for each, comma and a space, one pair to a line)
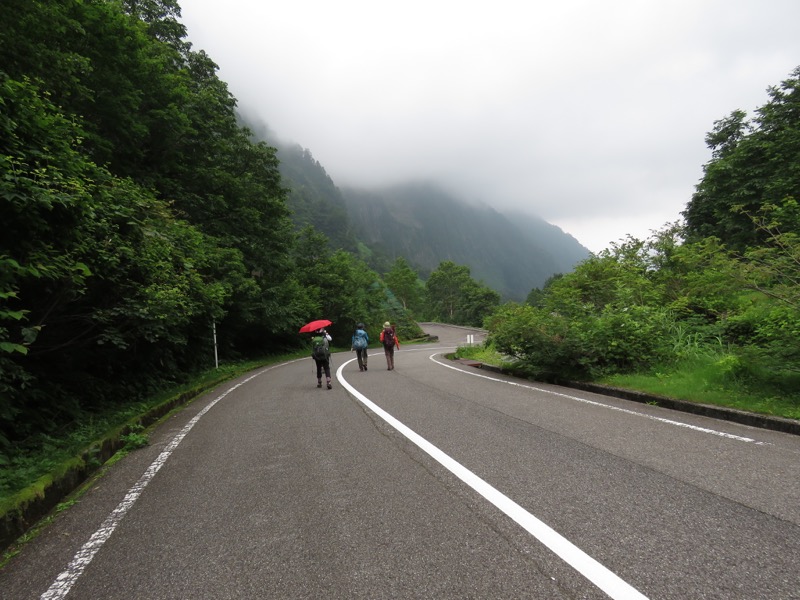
434, 480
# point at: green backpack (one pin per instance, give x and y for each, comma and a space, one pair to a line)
319, 347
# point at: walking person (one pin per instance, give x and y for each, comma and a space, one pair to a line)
389, 341
360, 343
321, 353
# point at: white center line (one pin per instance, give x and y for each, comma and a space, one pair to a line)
610, 583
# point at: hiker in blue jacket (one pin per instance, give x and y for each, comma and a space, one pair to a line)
360, 343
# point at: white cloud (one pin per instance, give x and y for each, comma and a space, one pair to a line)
591, 115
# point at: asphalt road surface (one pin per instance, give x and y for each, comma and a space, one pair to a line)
434, 480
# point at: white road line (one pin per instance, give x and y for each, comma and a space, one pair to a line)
603, 578
64, 582
608, 406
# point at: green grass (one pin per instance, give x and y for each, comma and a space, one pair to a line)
715, 378
484, 354
707, 382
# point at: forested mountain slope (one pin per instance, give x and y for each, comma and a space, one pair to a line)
312, 196
511, 253
426, 225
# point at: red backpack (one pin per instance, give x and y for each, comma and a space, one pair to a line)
388, 339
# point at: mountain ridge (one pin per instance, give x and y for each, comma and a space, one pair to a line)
426, 225
510, 251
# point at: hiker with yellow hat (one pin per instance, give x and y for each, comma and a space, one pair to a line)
389, 341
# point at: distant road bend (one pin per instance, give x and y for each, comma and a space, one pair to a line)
434, 480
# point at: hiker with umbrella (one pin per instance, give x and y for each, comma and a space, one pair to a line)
320, 348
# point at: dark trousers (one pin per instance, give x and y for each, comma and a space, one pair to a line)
323, 365
389, 352
361, 355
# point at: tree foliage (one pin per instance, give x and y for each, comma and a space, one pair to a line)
137, 212
454, 297
754, 164
650, 305
406, 285
102, 281
598, 319
723, 285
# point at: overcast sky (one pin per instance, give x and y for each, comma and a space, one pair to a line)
591, 115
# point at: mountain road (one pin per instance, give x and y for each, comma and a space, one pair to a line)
433, 480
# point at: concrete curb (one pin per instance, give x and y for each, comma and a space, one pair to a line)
708, 410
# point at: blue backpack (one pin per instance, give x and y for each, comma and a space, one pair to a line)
359, 340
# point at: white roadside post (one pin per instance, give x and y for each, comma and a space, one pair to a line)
214, 332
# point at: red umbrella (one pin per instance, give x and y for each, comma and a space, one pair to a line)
314, 325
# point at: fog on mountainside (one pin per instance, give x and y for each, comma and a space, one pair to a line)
426, 225
510, 252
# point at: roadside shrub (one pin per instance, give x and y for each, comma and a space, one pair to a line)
589, 345
622, 340
539, 340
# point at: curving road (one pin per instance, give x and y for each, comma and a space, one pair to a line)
435, 480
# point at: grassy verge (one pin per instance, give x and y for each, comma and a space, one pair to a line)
707, 382
30, 468
704, 379
484, 354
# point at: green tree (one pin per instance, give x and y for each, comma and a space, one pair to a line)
477, 301
604, 317
162, 19
405, 284
444, 288
753, 164
454, 297
104, 284
536, 296
768, 324
721, 289
339, 287
105, 279
27, 32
